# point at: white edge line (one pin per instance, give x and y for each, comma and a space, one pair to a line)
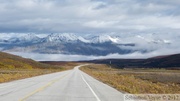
90, 88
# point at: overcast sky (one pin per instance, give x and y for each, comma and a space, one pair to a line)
90, 16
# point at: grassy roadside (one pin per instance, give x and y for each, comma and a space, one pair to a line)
138, 81
10, 74
14, 67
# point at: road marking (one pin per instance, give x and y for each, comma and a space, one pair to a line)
42, 88
97, 98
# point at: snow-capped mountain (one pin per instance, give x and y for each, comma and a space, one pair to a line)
104, 38
61, 37
31, 38
151, 39
65, 38
69, 43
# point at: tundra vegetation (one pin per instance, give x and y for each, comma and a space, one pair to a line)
14, 67
137, 80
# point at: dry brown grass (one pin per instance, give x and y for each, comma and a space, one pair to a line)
9, 75
139, 81
14, 67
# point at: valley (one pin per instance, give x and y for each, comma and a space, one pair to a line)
134, 78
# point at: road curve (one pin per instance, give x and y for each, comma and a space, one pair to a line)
71, 85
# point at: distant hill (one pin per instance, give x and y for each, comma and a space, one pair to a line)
165, 61
169, 61
8, 61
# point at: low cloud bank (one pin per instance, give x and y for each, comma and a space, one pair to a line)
63, 57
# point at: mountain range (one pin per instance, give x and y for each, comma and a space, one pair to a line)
98, 45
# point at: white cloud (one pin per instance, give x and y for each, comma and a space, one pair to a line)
86, 16
95, 16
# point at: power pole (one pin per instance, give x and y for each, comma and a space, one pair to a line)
110, 63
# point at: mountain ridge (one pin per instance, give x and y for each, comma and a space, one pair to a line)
70, 43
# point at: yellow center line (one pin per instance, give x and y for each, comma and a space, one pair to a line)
42, 88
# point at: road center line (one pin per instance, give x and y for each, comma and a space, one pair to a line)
97, 98
42, 88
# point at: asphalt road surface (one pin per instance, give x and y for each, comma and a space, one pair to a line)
71, 85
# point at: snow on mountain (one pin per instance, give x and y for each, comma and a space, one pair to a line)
104, 38
4, 36
153, 40
70, 37
69, 43
65, 37
167, 41
82, 39
32, 38
115, 39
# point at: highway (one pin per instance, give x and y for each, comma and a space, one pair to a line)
71, 85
